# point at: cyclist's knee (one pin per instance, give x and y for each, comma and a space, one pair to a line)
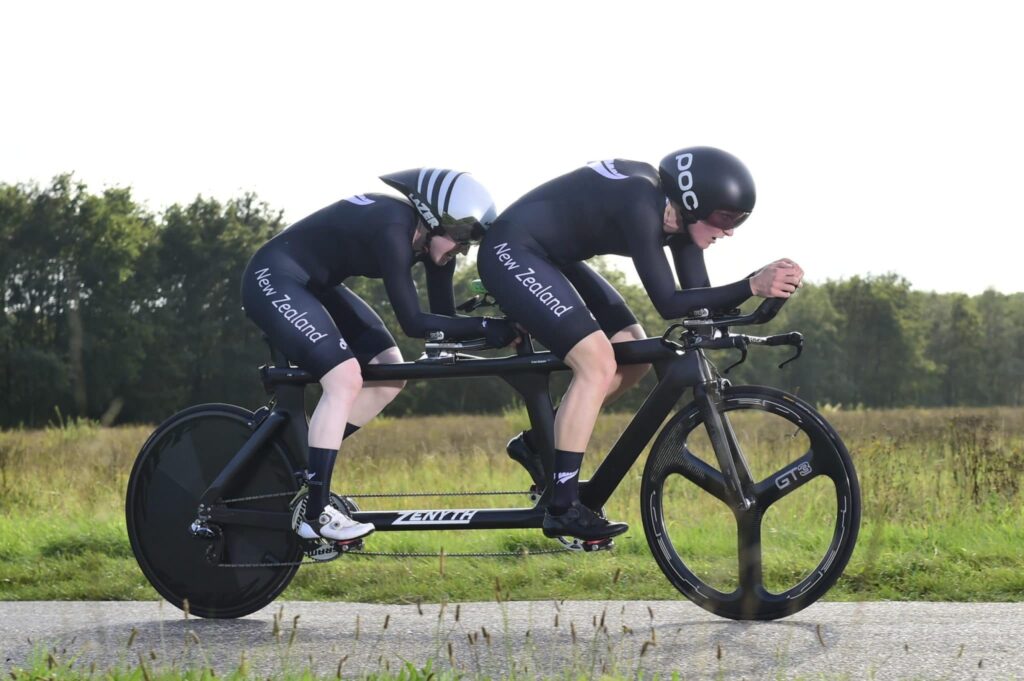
631, 373
630, 333
394, 386
593, 360
390, 356
343, 381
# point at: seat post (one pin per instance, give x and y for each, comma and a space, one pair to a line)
287, 399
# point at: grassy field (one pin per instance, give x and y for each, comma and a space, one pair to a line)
943, 518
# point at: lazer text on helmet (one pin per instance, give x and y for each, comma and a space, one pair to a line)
685, 181
428, 215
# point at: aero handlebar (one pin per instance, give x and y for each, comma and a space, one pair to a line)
764, 313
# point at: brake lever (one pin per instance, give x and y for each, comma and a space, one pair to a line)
799, 349
742, 347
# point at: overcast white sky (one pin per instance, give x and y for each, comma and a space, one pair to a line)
883, 136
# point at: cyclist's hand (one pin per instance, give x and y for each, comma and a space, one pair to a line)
777, 280
499, 332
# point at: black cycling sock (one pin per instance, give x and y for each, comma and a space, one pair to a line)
567, 480
349, 429
321, 465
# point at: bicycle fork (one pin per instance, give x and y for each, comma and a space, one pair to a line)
739, 484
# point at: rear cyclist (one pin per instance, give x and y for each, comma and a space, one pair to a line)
292, 289
531, 260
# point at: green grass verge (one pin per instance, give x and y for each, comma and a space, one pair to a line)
93, 562
943, 517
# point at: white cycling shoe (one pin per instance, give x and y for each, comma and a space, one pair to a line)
336, 526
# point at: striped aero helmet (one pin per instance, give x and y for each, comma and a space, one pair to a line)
450, 202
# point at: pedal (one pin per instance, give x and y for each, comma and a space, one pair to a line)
598, 545
587, 545
349, 545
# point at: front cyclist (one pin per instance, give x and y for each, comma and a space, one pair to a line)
531, 260
292, 288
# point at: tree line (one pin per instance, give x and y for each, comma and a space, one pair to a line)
114, 312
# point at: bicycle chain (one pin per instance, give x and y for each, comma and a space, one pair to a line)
388, 554
386, 495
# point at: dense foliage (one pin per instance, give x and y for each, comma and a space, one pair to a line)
113, 312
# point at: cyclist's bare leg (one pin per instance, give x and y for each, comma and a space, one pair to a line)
593, 369
592, 361
522, 448
376, 395
628, 375
326, 431
341, 388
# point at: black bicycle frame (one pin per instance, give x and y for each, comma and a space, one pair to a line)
529, 374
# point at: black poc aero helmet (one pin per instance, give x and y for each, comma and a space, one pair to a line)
708, 184
450, 202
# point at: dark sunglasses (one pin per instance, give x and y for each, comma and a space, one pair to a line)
726, 219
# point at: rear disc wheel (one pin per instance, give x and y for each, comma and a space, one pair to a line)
172, 472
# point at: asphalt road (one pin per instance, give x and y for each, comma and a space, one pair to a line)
825, 641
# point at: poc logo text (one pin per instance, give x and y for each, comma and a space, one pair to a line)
685, 181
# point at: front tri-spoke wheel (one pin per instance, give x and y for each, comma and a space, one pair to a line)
789, 548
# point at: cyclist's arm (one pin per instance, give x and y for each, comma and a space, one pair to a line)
656, 275
690, 269
396, 267
693, 275
439, 287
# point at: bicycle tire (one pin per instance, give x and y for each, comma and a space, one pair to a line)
172, 471
826, 456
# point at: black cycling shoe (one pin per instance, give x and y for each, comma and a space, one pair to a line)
521, 453
580, 522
